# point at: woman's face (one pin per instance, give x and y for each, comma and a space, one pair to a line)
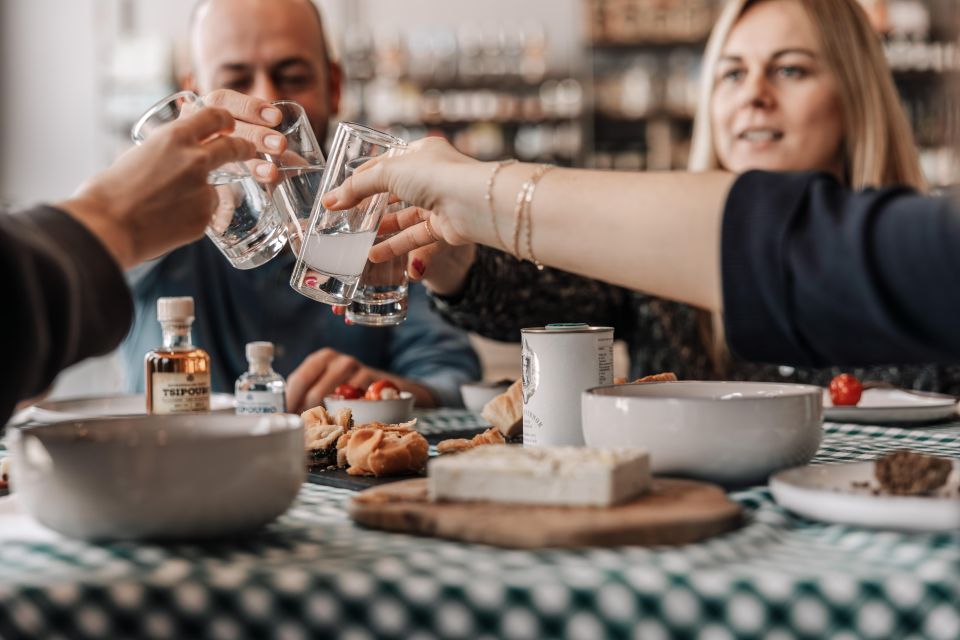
775, 104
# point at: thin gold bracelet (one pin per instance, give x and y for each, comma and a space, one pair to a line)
518, 218
488, 196
528, 208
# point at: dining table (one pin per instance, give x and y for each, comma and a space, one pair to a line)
313, 573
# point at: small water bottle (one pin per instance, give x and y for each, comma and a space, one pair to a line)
261, 389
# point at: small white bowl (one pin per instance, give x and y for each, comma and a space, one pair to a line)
391, 411
158, 477
734, 433
477, 394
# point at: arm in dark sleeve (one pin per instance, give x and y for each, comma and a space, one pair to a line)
433, 353
816, 275
64, 299
502, 295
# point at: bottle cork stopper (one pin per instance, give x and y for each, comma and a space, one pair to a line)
175, 308
259, 351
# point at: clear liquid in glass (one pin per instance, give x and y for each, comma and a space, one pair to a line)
331, 264
294, 196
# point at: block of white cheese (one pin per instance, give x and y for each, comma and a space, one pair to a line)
556, 476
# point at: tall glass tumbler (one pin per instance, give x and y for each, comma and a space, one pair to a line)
337, 243
246, 227
381, 297
301, 171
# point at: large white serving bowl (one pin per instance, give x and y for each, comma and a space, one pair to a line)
158, 477
734, 433
392, 411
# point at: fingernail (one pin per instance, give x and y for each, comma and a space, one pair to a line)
273, 142
339, 309
329, 200
271, 114
347, 321
418, 266
263, 170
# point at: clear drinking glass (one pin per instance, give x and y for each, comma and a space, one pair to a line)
336, 244
381, 298
301, 171
246, 227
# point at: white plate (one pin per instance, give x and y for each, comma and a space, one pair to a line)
879, 406
83, 407
826, 492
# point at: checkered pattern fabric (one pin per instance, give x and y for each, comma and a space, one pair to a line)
313, 574
440, 421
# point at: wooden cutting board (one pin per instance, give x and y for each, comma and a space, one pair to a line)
674, 512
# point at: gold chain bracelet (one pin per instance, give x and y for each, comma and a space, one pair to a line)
488, 196
529, 191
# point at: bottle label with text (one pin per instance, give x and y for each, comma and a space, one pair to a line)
181, 393
260, 402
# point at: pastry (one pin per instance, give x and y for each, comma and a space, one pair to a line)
667, 376
456, 445
373, 451
321, 433
905, 472
505, 412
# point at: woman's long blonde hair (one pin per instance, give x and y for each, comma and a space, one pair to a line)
878, 146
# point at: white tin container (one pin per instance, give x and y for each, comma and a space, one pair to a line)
558, 363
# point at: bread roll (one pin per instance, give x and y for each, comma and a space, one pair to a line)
505, 412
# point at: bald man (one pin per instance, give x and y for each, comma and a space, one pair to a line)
273, 50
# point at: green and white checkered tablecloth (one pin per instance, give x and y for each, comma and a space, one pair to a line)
313, 574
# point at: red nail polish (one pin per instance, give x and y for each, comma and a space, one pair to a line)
339, 310
347, 321
418, 266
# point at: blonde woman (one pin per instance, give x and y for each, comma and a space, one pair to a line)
795, 85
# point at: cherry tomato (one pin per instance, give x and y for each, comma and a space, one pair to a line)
348, 392
845, 390
376, 390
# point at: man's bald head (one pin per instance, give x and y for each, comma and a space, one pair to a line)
272, 49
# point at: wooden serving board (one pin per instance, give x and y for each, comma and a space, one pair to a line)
674, 512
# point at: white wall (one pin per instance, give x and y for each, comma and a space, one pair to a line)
48, 121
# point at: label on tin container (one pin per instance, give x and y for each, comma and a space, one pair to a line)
557, 365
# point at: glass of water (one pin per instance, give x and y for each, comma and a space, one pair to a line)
245, 226
336, 243
301, 171
381, 298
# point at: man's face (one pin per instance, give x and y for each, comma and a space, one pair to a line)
271, 49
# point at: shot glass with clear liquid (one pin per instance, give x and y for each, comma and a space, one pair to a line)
336, 243
381, 297
245, 227
301, 169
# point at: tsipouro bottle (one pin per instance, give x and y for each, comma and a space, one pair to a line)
261, 389
177, 373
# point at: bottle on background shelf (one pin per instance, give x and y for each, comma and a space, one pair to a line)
177, 372
260, 389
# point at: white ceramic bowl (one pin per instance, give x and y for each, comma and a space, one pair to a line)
158, 477
734, 433
364, 411
477, 394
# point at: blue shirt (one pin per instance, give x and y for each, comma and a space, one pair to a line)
234, 307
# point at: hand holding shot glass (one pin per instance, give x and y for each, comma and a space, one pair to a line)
336, 243
245, 227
